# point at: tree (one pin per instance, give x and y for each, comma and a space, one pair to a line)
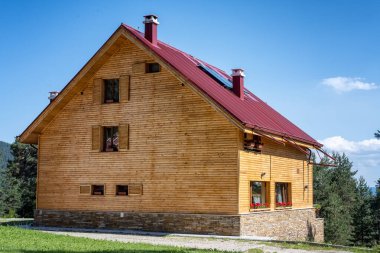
376, 210
364, 219
335, 191
377, 134
18, 181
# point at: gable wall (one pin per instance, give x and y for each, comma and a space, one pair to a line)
181, 150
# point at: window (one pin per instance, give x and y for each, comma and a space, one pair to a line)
111, 139
121, 190
111, 91
283, 196
253, 142
259, 195
152, 67
97, 189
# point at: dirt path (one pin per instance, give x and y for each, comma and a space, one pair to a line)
206, 242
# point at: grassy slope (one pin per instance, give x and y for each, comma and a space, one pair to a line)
13, 239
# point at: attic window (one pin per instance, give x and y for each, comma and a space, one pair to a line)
111, 91
152, 67
253, 142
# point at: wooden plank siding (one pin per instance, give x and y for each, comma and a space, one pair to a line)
280, 164
180, 149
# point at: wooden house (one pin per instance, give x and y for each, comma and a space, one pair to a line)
148, 137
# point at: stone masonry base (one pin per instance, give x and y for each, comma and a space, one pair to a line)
298, 224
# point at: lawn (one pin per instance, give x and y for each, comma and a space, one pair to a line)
13, 240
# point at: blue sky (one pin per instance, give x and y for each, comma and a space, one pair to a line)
316, 62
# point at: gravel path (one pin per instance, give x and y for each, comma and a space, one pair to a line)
204, 242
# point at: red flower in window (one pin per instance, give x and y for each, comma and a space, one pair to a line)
252, 205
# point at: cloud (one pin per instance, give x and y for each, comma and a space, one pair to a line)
364, 154
339, 144
346, 84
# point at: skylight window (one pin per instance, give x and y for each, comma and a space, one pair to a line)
216, 76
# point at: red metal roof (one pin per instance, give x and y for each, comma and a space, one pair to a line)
251, 112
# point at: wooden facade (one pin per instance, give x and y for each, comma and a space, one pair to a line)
179, 153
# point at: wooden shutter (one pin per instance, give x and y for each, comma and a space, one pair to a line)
85, 189
97, 92
124, 82
96, 138
138, 68
124, 136
135, 189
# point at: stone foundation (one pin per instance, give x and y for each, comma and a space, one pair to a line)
298, 224
288, 224
158, 222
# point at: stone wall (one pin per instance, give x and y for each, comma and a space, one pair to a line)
289, 224
295, 225
160, 222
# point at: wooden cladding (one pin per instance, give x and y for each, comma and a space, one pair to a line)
98, 93
85, 189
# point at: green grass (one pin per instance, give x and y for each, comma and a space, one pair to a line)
306, 246
14, 240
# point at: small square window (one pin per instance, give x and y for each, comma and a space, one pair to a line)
97, 189
122, 190
111, 91
152, 67
111, 139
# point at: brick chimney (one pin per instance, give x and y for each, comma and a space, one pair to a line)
238, 82
151, 24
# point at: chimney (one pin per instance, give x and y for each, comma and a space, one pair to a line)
53, 95
238, 82
151, 24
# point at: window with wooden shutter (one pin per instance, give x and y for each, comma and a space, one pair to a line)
96, 137
124, 136
135, 189
97, 92
124, 83
85, 189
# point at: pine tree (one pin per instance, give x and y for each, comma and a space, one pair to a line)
376, 210
335, 191
18, 182
364, 219
377, 134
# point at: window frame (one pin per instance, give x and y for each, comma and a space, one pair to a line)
148, 69
288, 202
264, 205
117, 192
98, 185
104, 141
114, 98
